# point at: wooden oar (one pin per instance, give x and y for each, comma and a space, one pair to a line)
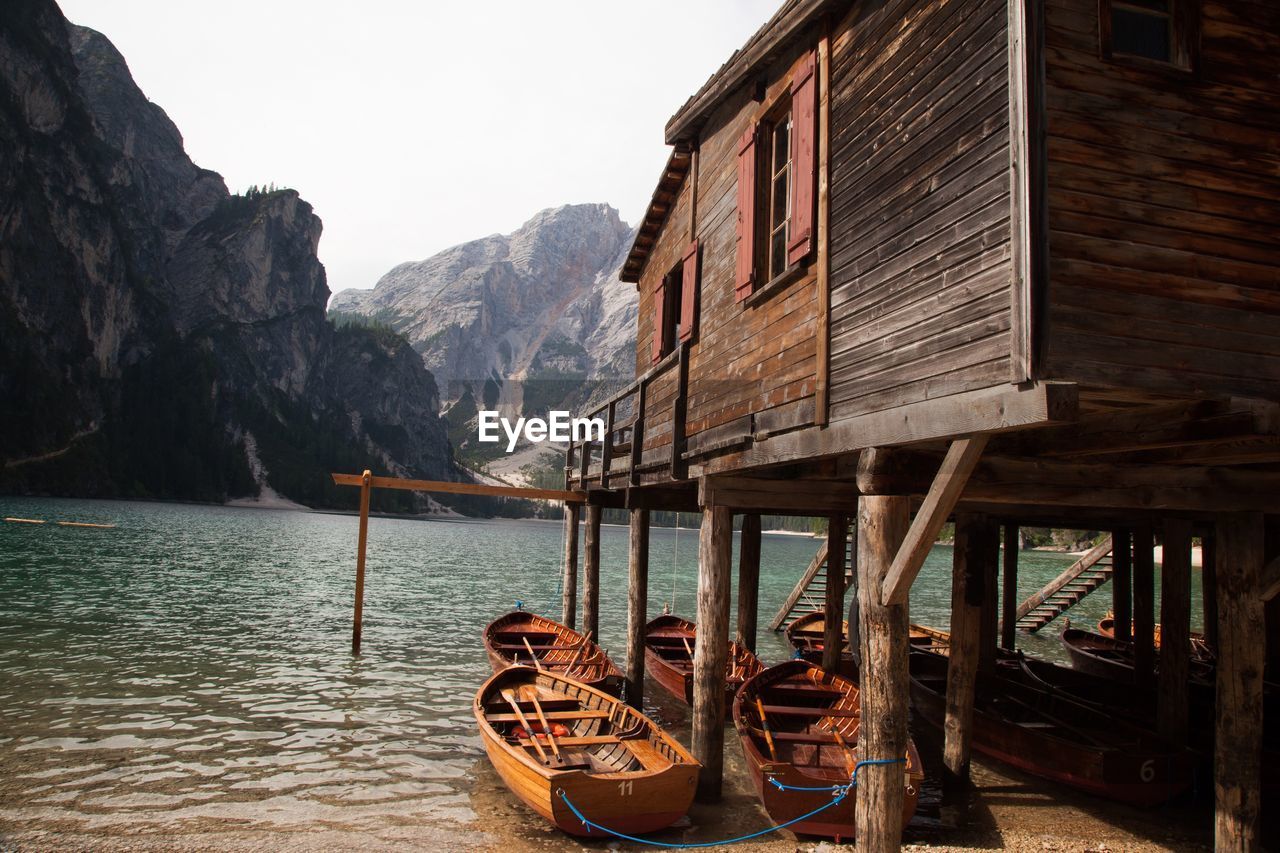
687, 648
768, 735
515, 706
849, 763
586, 641
546, 726
536, 663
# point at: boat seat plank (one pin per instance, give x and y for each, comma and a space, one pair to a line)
596, 740
800, 711
519, 647
559, 716
648, 754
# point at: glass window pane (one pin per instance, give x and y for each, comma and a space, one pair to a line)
779, 213
1140, 34
781, 144
778, 253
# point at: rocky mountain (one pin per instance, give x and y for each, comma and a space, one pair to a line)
524, 322
160, 336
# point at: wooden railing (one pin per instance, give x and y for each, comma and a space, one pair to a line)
624, 416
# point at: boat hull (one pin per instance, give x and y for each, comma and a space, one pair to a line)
591, 666
674, 670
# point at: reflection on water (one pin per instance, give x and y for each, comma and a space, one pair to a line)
191, 667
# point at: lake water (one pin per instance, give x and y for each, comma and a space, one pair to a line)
190, 670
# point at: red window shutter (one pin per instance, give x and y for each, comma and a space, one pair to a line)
689, 292
804, 160
659, 304
744, 276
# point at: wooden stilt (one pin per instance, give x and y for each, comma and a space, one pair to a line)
637, 605
1209, 588
711, 650
749, 580
569, 591
966, 632
988, 546
1144, 606
1122, 583
883, 628
1241, 660
1009, 598
357, 623
591, 574
1175, 630
833, 610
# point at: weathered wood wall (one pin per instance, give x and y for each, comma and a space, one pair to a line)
1163, 207
920, 269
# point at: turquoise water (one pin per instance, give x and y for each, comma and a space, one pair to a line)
191, 667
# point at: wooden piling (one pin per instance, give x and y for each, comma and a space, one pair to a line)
883, 632
1209, 588
988, 546
569, 584
637, 605
591, 573
833, 609
1175, 630
1241, 661
366, 487
1144, 606
1009, 591
749, 580
966, 632
711, 650
1122, 583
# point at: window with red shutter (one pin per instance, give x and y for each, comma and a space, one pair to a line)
659, 304
744, 268
804, 173
689, 292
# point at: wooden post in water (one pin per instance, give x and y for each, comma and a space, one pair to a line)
1009, 598
884, 642
569, 592
366, 488
988, 546
1241, 659
1144, 606
637, 605
1122, 583
749, 580
1175, 630
711, 649
833, 606
591, 574
967, 575
1209, 588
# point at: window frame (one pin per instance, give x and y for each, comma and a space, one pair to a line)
672, 297
767, 282
1184, 36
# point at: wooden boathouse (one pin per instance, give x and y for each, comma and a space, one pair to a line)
1005, 262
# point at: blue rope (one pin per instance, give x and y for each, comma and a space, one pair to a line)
839, 793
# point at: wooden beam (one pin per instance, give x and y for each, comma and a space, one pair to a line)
445, 487
362, 541
988, 552
990, 410
591, 574
637, 605
883, 647
1009, 596
749, 580
759, 494
1144, 607
1241, 662
1122, 583
967, 592
1175, 631
833, 605
569, 580
1270, 585
711, 649
1209, 588
960, 460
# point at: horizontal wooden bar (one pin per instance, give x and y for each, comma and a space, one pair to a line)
446, 487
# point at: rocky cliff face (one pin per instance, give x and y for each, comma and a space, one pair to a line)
158, 335
535, 316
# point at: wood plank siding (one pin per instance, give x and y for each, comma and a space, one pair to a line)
1162, 207
920, 207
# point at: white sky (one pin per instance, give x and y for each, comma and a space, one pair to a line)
414, 125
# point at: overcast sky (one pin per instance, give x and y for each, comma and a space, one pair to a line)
412, 126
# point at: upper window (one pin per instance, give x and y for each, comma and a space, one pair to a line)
671, 293
778, 156
1158, 31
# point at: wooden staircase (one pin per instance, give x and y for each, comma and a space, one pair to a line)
810, 593
1068, 589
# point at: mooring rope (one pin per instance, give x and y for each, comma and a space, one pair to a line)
838, 795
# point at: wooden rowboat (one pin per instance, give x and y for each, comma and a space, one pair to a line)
668, 657
1112, 658
1048, 735
1199, 647
807, 635
527, 638
612, 763
799, 726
